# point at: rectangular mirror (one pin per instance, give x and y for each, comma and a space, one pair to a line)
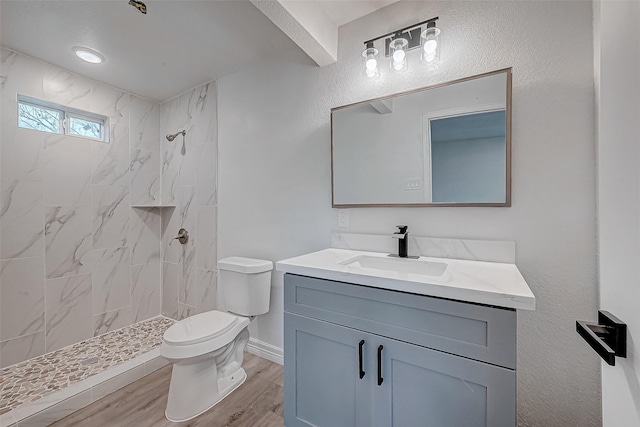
443, 145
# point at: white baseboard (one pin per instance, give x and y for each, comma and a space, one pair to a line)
266, 351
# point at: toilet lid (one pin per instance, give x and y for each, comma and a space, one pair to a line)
198, 328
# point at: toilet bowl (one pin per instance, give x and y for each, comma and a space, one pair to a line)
207, 349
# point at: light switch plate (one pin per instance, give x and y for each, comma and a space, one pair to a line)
343, 218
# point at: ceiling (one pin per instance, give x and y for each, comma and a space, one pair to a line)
343, 12
178, 45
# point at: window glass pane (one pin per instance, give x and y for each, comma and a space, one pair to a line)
85, 127
39, 118
49, 117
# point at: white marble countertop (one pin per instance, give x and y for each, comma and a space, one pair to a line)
491, 283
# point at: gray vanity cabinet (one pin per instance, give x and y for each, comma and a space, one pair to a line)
442, 363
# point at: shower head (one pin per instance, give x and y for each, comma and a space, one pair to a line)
172, 137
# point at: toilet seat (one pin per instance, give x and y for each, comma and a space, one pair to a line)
209, 332
199, 328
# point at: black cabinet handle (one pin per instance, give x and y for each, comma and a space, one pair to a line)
380, 379
360, 359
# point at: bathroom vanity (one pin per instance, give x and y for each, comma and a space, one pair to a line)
378, 341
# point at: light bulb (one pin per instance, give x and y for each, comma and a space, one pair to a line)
398, 53
430, 40
398, 56
370, 61
430, 47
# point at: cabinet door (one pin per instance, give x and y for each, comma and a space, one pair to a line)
423, 387
322, 384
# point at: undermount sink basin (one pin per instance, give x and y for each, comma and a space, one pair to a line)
398, 265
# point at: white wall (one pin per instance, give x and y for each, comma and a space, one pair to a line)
273, 169
617, 54
275, 188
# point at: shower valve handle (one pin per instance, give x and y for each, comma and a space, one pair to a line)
182, 237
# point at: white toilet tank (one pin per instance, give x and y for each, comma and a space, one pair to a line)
245, 285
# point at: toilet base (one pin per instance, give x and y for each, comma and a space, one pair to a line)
183, 409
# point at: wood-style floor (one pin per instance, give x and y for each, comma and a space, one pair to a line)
256, 403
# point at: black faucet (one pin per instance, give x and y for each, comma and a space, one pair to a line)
402, 235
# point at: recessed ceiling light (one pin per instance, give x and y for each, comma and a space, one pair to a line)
88, 55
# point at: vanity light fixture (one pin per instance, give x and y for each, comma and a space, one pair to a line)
424, 35
88, 55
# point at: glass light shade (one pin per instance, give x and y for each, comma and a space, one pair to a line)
88, 55
430, 45
398, 54
370, 62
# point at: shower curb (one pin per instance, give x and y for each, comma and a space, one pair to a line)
59, 404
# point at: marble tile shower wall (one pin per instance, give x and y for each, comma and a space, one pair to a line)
189, 181
75, 259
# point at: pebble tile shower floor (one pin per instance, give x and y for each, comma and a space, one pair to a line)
33, 379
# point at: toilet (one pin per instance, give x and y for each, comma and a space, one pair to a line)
207, 349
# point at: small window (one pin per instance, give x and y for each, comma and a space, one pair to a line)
39, 118
85, 127
47, 116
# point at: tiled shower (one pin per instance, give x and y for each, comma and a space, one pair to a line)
79, 256
189, 172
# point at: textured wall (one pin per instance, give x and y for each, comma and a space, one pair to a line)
275, 189
76, 260
189, 183
273, 168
